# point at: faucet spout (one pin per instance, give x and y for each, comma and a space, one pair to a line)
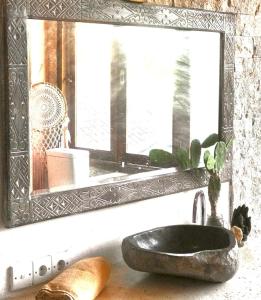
199, 195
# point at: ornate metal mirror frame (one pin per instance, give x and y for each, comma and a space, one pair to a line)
19, 206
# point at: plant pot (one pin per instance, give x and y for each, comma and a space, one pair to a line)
215, 220
214, 187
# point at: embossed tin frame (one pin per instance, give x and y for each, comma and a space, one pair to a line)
20, 207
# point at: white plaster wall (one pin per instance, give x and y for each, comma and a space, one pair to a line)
95, 233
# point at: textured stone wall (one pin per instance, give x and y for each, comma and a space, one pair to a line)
247, 116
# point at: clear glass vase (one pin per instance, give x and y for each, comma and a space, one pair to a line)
215, 219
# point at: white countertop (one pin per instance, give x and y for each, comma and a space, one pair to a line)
125, 283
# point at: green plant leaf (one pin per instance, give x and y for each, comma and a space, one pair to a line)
220, 155
195, 153
210, 163
206, 155
182, 159
210, 141
161, 158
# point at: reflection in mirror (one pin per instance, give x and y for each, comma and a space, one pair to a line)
102, 96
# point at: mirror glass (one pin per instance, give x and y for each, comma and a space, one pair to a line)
103, 96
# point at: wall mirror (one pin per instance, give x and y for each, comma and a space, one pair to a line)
127, 90
94, 86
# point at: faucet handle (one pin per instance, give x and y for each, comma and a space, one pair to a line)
200, 194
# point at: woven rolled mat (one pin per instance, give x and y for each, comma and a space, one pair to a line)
83, 280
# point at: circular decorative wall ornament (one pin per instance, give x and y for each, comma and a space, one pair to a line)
47, 106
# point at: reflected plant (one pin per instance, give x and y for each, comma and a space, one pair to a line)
161, 158
190, 158
182, 158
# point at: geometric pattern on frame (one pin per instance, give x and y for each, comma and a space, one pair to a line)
205, 20
18, 120
228, 111
168, 17
230, 24
55, 205
100, 196
133, 13
229, 50
185, 181
103, 196
133, 191
16, 39
20, 212
56, 8
153, 188
229, 80
19, 184
16, 7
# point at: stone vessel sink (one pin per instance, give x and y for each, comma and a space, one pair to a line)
194, 251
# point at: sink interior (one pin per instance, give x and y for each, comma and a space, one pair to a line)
182, 239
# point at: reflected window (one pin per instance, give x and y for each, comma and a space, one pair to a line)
93, 87
158, 97
127, 89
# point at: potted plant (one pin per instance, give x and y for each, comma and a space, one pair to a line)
190, 158
214, 163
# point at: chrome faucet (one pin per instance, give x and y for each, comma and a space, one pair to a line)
200, 194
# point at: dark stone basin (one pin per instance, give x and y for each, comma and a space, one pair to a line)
194, 251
